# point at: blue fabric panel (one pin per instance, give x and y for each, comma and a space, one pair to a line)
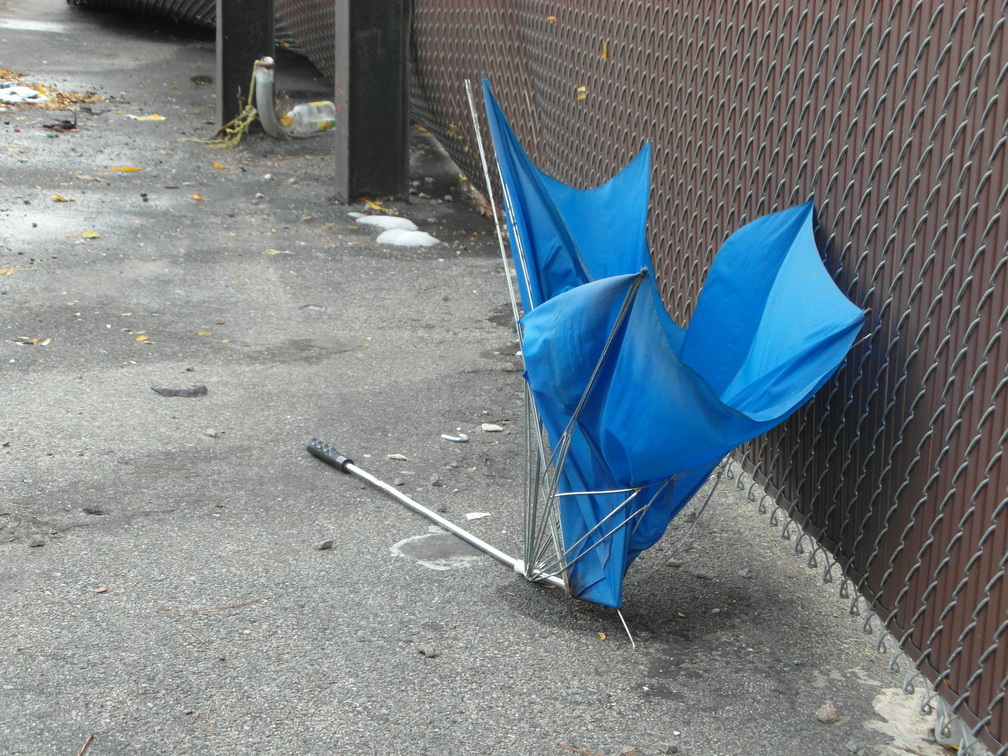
538, 228
608, 222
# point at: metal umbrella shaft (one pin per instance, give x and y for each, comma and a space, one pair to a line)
330, 456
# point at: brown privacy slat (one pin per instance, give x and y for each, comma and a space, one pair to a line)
894, 118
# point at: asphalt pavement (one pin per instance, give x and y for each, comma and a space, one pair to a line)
179, 576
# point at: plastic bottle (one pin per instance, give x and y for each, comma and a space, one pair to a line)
309, 118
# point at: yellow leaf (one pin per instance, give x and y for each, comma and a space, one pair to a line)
90, 234
151, 117
551, 19
141, 338
218, 166
581, 92
373, 205
680, 614
605, 50
204, 333
602, 636
60, 198
47, 342
276, 252
198, 197
122, 168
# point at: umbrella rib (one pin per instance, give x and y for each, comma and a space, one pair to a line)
493, 201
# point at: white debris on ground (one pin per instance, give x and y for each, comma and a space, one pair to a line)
15, 94
402, 237
385, 221
401, 232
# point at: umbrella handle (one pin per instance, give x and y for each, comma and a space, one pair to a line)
327, 454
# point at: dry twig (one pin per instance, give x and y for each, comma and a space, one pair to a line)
87, 742
578, 750
208, 608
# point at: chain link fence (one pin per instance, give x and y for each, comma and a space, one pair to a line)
893, 117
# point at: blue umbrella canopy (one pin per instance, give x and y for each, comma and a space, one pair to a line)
637, 410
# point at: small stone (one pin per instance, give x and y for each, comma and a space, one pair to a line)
324, 545
827, 713
627, 751
665, 748
210, 432
435, 480
400, 457
673, 563
35, 541
449, 198
427, 650
398, 482
491, 428
103, 589
93, 511
745, 573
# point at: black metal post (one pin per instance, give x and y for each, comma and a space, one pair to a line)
244, 34
372, 98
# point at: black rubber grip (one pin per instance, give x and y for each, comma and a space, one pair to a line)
327, 454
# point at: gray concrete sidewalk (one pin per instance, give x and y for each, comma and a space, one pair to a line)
161, 586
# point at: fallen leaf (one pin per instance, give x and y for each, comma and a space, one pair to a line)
151, 117
604, 54
196, 196
218, 166
551, 19
476, 515
306, 217
680, 614
581, 92
90, 234
61, 198
47, 342
122, 168
602, 636
103, 589
141, 338
204, 333
276, 252
373, 205
400, 457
